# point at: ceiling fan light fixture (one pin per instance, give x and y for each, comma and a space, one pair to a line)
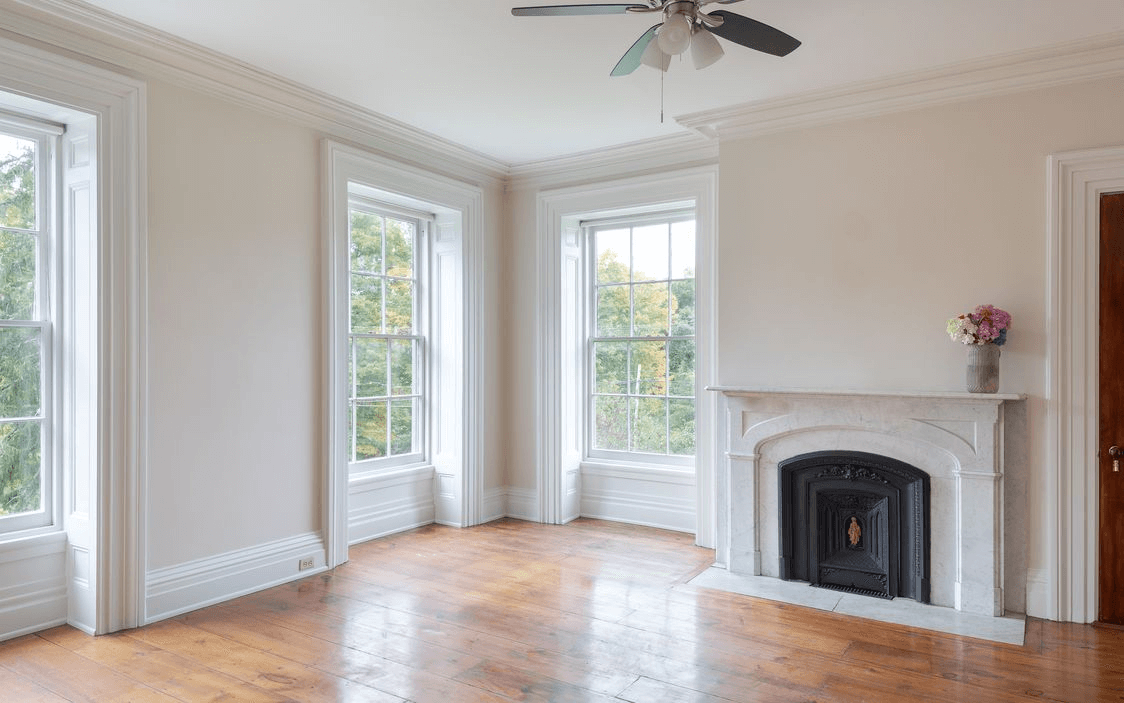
705, 48
675, 34
654, 57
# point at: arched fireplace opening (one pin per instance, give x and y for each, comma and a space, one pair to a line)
855, 522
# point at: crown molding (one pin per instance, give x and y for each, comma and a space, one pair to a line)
77, 28
82, 31
1069, 62
675, 152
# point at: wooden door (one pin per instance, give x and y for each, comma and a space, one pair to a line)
1112, 409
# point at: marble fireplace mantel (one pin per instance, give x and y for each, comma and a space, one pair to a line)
956, 438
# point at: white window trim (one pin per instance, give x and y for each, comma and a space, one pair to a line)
107, 532
455, 318
559, 420
611, 457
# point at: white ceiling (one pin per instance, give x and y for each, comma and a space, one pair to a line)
523, 89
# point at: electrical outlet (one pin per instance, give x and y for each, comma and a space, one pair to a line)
306, 563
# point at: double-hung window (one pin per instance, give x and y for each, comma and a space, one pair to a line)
386, 336
642, 339
27, 476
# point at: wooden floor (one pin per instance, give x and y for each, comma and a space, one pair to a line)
592, 611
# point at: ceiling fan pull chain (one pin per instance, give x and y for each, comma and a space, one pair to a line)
661, 96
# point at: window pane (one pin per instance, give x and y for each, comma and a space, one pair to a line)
649, 425
649, 306
366, 242
681, 427
370, 431
17, 182
612, 256
681, 367
683, 249
648, 368
370, 367
399, 307
610, 367
649, 253
366, 303
17, 275
610, 423
20, 467
19, 373
682, 308
612, 311
401, 366
399, 248
401, 426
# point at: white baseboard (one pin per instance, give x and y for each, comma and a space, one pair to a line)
517, 503
382, 504
653, 497
1038, 594
388, 517
495, 504
196, 584
33, 572
522, 504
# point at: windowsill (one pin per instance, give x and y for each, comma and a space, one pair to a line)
663, 473
390, 475
45, 537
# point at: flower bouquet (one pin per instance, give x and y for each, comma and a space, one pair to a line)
986, 324
984, 330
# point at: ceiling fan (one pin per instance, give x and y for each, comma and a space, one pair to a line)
684, 26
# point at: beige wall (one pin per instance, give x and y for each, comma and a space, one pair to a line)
521, 367
493, 345
845, 248
235, 392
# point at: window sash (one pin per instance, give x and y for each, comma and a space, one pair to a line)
631, 396
388, 399
45, 137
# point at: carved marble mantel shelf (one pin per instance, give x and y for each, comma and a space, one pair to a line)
957, 438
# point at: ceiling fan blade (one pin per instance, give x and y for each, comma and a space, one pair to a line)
631, 59
555, 10
753, 34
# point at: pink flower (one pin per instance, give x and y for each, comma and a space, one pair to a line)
986, 324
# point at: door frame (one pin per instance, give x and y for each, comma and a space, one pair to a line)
1076, 179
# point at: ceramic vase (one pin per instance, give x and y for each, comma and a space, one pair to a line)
983, 368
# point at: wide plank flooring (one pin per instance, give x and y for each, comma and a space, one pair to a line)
517, 611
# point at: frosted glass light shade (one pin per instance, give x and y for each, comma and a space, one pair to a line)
655, 58
705, 48
675, 34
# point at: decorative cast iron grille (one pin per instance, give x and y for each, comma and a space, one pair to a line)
855, 522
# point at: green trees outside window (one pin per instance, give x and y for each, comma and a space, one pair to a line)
643, 339
385, 343
21, 330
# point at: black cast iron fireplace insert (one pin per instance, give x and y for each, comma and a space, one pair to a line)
855, 522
